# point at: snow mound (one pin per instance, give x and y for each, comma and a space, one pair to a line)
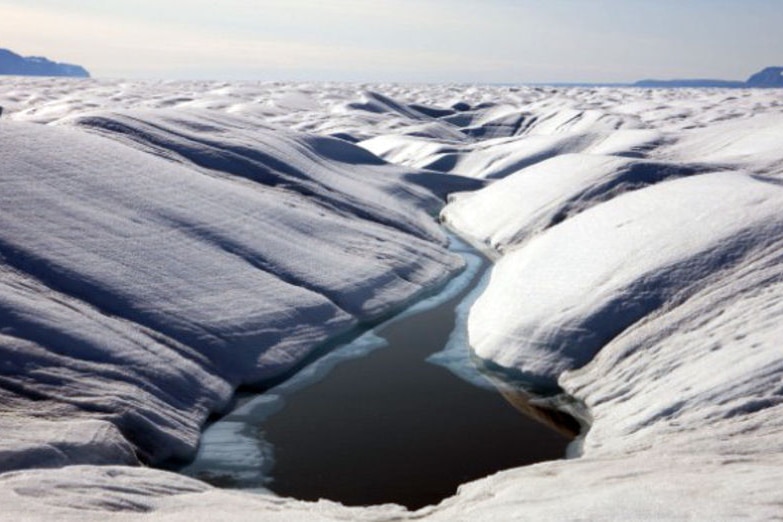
490, 159
568, 120
376, 102
514, 209
553, 304
715, 385
141, 290
322, 169
495, 158
755, 144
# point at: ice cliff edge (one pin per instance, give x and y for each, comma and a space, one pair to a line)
14, 64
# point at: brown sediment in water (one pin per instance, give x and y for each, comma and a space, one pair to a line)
524, 402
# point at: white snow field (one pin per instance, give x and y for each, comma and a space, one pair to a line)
164, 242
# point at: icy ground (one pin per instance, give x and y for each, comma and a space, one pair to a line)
162, 243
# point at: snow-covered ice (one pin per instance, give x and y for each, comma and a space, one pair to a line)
516, 208
163, 242
140, 290
564, 295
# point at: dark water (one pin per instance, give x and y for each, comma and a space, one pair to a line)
390, 427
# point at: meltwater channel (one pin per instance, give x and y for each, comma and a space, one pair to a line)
400, 414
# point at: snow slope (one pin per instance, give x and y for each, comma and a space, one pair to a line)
516, 208
565, 294
163, 242
139, 291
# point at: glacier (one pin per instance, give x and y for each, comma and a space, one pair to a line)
165, 242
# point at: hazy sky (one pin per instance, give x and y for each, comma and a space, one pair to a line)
401, 40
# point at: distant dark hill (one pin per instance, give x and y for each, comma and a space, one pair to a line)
770, 77
690, 83
14, 64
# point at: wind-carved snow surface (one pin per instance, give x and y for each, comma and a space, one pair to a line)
139, 291
165, 242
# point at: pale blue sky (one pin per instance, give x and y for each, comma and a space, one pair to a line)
402, 40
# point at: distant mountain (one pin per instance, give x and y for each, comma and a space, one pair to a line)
770, 77
701, 82
14, 64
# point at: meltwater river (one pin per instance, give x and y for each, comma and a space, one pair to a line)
399, 414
